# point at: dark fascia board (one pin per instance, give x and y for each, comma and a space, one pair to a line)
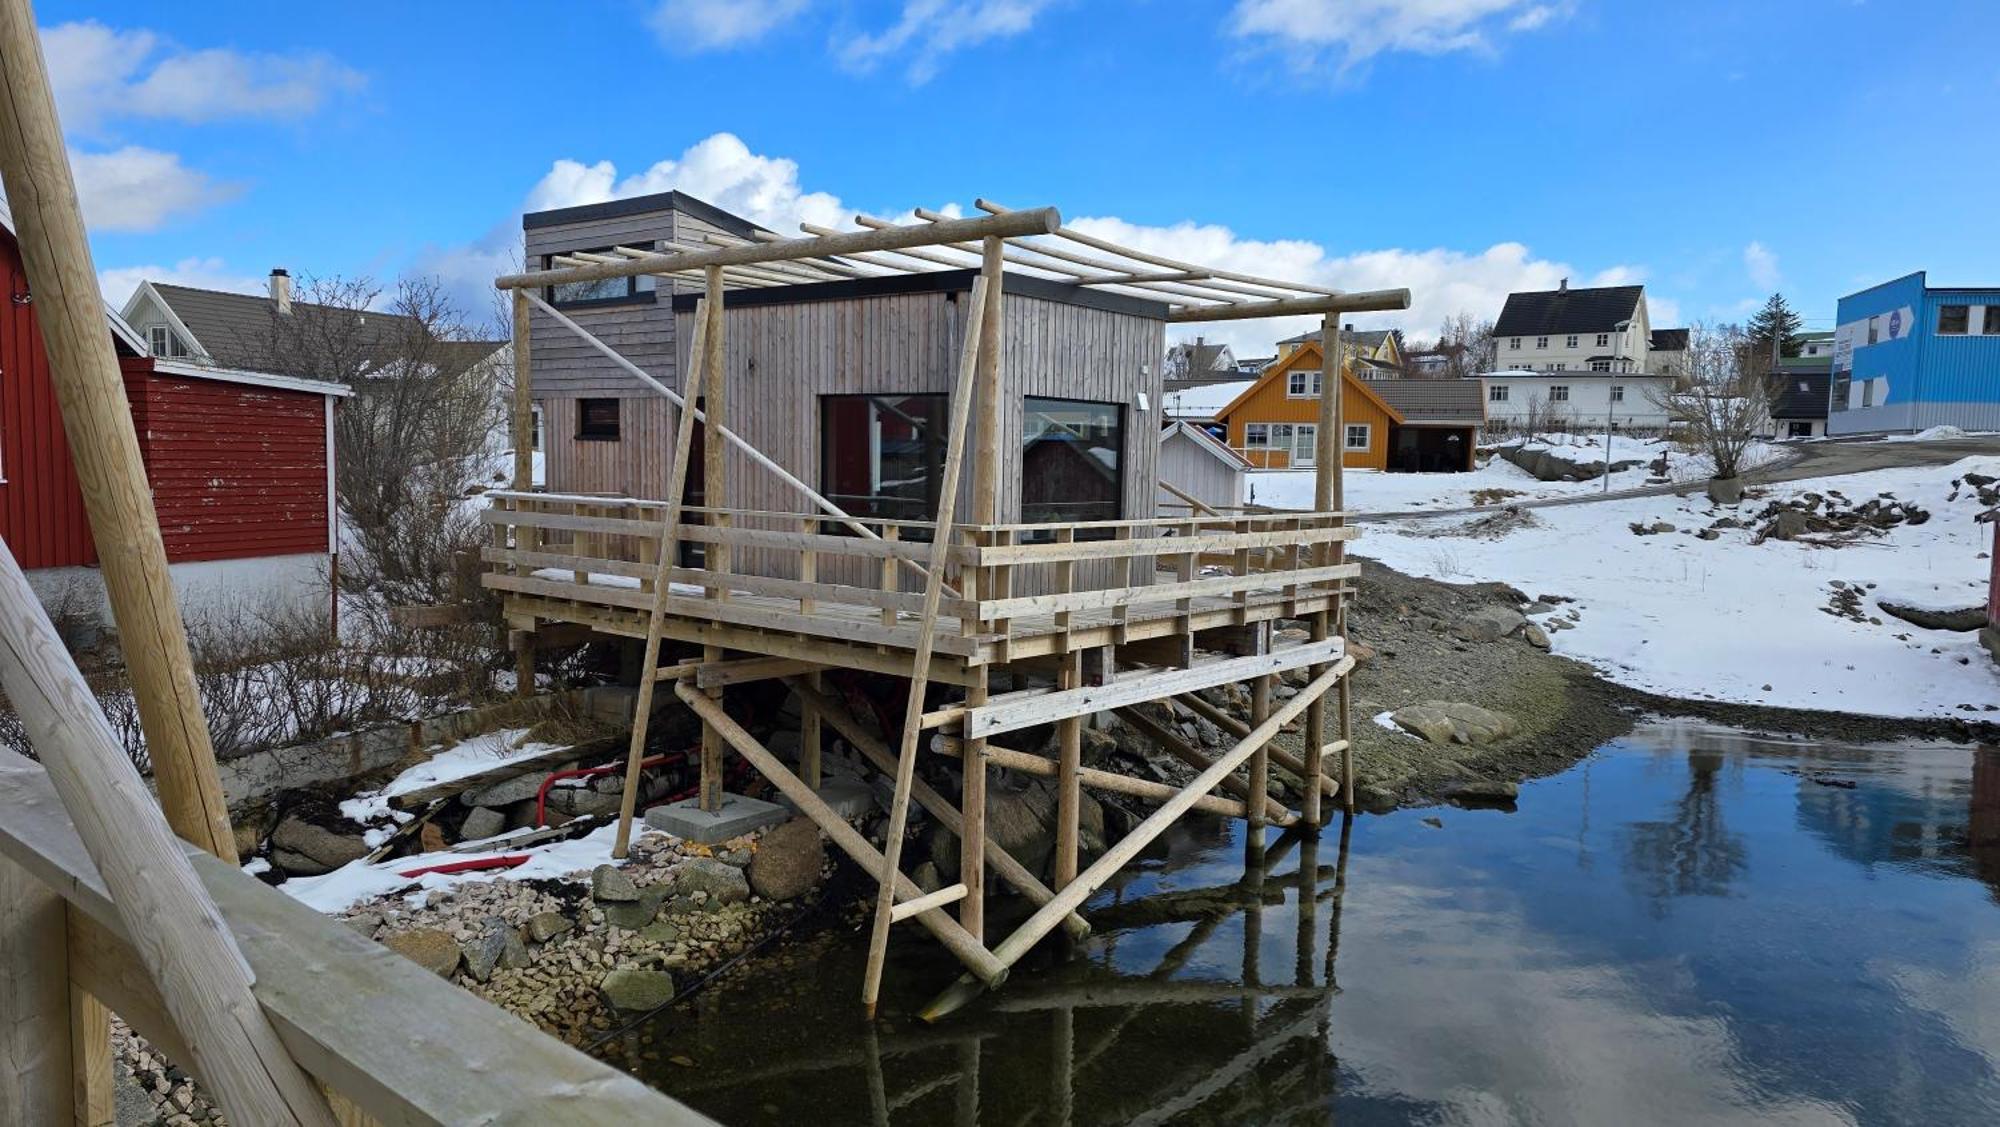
639, 205
933, 281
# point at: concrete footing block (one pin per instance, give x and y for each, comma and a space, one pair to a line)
850, 798
737, 816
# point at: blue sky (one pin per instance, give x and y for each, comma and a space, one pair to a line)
1463, 148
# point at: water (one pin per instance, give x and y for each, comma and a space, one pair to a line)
1693, 926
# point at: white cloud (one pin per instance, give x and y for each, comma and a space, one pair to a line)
138, 189
929, 30
119, 283
1358, 30
1442, 281
711, 25
720, 169
101, 73
1762, 266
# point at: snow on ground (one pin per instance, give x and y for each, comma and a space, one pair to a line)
465, 758
1498, 481
1727, 620
357, 881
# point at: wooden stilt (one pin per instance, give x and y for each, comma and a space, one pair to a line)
977, 959
669, 546
715, 485
1232, 725
1090, 880
1109, 781
913, 711
878, 753
1260, 759
1069, 793
1199, 760
809, 732
36, 1037
973, 844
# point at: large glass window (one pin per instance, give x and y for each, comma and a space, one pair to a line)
1072, 462
1953, 320
883, 455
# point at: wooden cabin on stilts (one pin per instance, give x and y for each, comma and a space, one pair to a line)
927, 450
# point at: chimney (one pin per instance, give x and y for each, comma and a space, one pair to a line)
1563, 286
281, 290
1347, 328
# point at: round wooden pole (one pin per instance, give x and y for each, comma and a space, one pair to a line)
41, 191
176, 930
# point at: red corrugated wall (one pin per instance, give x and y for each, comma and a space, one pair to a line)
41, 508
237, 470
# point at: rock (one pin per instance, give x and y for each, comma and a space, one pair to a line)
1021, 821
1790, 524
1536, 636
578, 801
1725, 490
1361, 652
1483, 790
926, 876
1708, 534
723, 883
1936, 618
311, 850
1376, 799
428, 947
788, 860
1445, 722
1434, 823
487, 951
366, 923
508, 791
662, 932
430, 838
544, 926
609, 884
1660, 526
630, 990
1488, 624
632, 915
482, 823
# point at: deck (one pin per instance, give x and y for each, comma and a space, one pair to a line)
797, 586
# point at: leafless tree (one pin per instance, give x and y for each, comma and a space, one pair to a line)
411, 443
1726, 403
1468, 346
1546, 416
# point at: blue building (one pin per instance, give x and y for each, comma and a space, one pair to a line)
1907, 357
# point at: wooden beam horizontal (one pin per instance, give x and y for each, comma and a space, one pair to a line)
1368, 301
403, 1044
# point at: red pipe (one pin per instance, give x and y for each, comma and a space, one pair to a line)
470, 866
542, 795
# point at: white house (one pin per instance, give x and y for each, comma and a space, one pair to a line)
1576, 400
1597, 329
1197, 464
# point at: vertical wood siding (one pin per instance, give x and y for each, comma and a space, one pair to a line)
41, 507
642, 332
1194, 470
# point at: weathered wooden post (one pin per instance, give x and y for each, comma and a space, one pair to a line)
524, 476
1330, 454
985, 511
714, 488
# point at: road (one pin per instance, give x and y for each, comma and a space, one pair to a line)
1807, 460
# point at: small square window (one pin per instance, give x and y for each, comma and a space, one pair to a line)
1569, 341
1992, 327
1559, 393
1357, 436
1604, 340
1541, 342
1953, 320
1256, 436
1618, 393
1514, 343
597, 419
1497, 393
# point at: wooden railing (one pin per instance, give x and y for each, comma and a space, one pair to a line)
797, 569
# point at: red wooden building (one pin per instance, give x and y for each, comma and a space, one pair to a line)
240, 463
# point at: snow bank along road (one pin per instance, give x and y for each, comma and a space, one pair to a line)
1706, 611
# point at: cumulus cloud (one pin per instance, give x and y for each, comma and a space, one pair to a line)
712, 25
1354, 31
120, 282
101, 73
1762, 266
138, 189
930, 30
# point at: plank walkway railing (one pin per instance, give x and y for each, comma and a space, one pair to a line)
397, 1042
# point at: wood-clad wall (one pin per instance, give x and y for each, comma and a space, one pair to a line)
641, 330
635, 465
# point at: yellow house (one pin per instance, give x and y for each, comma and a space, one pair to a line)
1372, 353
1274, 423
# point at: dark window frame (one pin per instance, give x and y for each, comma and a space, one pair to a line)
870, 507
633, 294
587, 431
1963, 320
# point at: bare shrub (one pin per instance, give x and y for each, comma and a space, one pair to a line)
1727, 401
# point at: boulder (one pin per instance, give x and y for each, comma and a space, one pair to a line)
1725, 490
544, 926
1790, 524
482, 823
631, 990
723, 883
1659, 526
1447, 722
491, 948
788, 861
1021, 821
609, 884
1936, 618
1536, 636
428, 947
1483, 790
1488, 624
309, 850
507, 792
633, 915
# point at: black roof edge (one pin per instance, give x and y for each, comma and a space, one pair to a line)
637, 205
933, 281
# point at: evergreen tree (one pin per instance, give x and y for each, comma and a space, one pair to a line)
1776, 320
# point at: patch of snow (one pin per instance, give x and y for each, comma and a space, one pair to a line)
1932, 595
594, 578
1388, 720
461, 760
1937, 433
257, 865
357, 880
1720, 619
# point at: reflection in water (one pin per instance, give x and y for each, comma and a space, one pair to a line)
1783, 946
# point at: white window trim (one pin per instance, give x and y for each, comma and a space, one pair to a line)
1251, 441
1498, 393
1569, 341
1367, 436
1305, 444
1312, 382
1559, 387
1618, 393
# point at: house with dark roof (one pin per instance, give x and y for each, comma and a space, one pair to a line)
1196, 362
1374, 353
1603, 329
1803, 387
1666, 352
1440, 427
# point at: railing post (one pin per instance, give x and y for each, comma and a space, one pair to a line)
35, 1032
